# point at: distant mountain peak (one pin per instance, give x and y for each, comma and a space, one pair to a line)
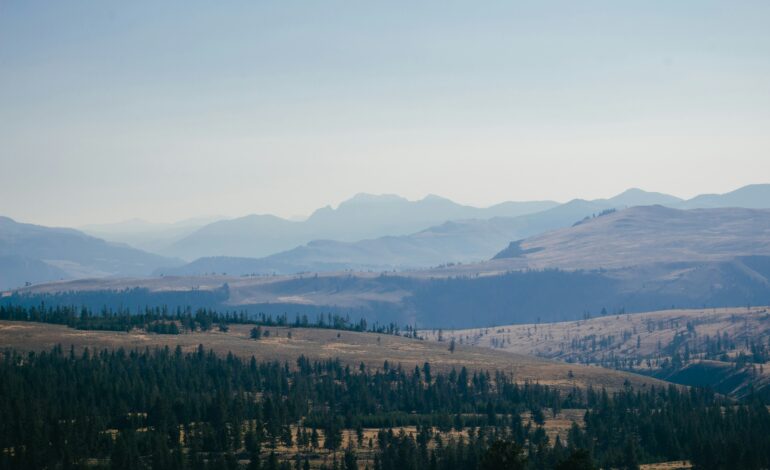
368, 198
639, 197
259, 217
632, 191
435, 197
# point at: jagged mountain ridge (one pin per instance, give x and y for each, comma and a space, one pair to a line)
362, 217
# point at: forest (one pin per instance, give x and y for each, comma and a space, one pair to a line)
172, 409
164, 320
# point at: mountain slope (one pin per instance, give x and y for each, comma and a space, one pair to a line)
637, 197
647, 234
45, 254
18, 270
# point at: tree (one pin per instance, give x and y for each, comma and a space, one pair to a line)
579, 459
503, 455
254, 463
350, 460
161, 456
272, 461
256, 332
125, 454
332, 435
314, 438
452, 345
630, 454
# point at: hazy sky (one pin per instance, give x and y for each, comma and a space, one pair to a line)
172, 109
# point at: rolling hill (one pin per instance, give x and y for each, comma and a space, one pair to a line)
33, 253
643, 235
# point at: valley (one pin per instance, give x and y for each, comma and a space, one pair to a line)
265, 235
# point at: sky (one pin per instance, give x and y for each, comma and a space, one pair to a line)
111, 110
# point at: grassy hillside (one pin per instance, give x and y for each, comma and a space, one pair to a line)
726, 349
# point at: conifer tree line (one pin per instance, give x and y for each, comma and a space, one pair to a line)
163, 320
174, 410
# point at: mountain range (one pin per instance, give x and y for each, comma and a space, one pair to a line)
451, 242
458, 240
364, 216
365, 233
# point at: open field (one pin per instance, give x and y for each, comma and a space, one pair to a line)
351, 348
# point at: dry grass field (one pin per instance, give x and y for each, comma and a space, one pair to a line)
672, 344
351, 348
625, 335
677, 465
